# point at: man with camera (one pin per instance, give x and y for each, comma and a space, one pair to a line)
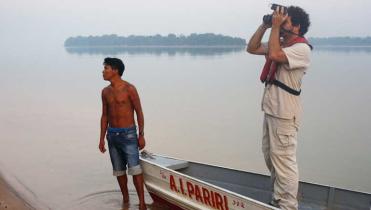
287, 59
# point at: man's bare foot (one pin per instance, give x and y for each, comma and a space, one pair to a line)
125, 199
125, 204
142, 206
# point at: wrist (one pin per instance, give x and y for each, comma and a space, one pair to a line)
275, 29
264, 27
276, 26
141, 133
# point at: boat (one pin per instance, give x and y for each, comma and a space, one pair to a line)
187, 185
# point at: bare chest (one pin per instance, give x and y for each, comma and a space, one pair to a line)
118, 97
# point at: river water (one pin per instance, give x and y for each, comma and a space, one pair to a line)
199, 104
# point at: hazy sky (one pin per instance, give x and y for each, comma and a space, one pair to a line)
55, 20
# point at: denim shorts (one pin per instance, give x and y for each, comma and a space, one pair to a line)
123, 150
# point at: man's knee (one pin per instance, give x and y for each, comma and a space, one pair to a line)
135, 170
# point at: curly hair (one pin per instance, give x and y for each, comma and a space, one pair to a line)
115, 63
299, 17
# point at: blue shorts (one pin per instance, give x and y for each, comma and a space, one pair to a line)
123, 150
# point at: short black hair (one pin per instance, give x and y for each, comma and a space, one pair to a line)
115, 63
299, 17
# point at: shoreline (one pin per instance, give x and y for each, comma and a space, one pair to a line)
10, 199
197, 46
157, 46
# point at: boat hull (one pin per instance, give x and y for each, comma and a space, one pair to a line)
184, 192
190, 185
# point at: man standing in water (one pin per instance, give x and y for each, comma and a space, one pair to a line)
120, 100
286, 63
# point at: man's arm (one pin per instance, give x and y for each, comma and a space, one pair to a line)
134, 97
255, 46
103, 124
275, 51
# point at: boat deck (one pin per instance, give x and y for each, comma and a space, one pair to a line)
258, 187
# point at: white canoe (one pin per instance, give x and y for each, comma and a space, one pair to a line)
189, 185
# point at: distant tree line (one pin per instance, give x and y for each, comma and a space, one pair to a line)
341, 41
156, 50
207, 39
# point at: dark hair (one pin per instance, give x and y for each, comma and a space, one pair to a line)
299, 17
115, 63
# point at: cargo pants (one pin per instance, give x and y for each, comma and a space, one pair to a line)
279, 149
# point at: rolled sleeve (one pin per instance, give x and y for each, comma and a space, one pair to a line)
298, 55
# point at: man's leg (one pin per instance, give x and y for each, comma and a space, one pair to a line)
283, 141
133, 162
266, 150
123, 182
286, 184
118, 164
139, 186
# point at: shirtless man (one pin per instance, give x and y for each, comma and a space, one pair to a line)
120, 100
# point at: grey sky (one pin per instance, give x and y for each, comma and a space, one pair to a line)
55, 20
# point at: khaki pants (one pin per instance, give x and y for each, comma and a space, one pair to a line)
279, 149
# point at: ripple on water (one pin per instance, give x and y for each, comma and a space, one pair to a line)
112, 200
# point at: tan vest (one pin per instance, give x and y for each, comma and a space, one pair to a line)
278, 102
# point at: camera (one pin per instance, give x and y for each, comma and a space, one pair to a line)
267, 19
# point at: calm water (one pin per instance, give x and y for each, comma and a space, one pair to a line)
199, 104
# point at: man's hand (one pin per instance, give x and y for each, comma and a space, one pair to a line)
141, 142
102, 148
279, 17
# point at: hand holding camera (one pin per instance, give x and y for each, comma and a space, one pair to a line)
277, 18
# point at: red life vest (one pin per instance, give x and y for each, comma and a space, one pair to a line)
268, 74
270, 67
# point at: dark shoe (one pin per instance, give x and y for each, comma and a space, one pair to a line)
275, 203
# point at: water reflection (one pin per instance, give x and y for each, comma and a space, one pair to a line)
344, 49
169, 51
194, 51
